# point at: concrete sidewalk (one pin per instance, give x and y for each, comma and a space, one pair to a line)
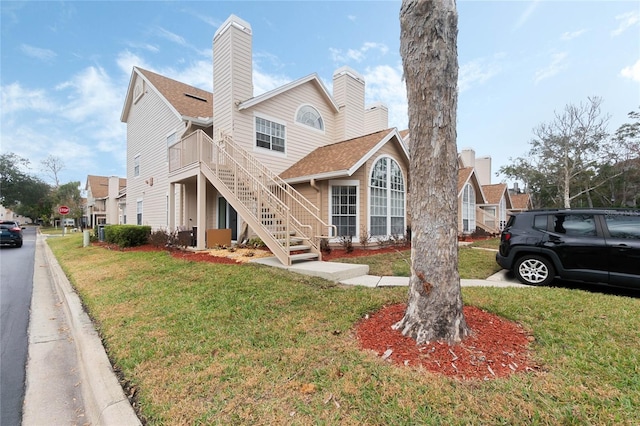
69, 377
352, 274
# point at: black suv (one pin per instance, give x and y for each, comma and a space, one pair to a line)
10, 233
589, 245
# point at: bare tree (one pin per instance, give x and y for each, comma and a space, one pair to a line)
567, 153
429, 30
52, 166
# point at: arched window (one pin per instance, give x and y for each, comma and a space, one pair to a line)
310, 116
468, 209
386, 198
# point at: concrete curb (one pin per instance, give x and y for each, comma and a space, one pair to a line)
105, 401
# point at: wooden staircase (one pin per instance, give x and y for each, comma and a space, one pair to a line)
288, 224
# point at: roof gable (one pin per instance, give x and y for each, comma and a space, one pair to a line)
468, 175
99, 185
341, 158
186, 102
521, 201
495, 192
310, 79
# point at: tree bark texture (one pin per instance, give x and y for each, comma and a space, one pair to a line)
430, 60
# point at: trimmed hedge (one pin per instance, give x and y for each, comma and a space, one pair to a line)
127, 235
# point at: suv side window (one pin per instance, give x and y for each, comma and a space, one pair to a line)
540, 222
577, 225
622, 226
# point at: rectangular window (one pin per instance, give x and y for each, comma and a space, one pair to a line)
269, 135
379, 211
344, 209
139, 213
136, 165
577, 225
623, 226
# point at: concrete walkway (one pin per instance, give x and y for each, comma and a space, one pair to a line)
351, 274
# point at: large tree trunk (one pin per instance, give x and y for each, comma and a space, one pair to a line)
430, 59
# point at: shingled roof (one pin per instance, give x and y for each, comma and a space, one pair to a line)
521, 201
336, 158
99, 185
493, 193
187, 100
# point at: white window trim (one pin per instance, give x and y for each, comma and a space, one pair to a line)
137, 96
265, 150
306, 126
404, 201
136, 158
346, 182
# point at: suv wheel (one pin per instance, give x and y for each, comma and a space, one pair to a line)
534, 270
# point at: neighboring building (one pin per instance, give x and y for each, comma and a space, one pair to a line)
520, 201
8, 214
497, 205
470, 196
493, 202
104, 200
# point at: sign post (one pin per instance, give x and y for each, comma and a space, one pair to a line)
63, 210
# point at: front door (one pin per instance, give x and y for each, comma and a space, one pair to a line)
227, 218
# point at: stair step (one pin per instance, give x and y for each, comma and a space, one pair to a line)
303, 256
299, 248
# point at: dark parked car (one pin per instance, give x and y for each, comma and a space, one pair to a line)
10, 233
589, 245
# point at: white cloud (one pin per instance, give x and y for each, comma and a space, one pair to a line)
477, 71
93, 96
144, 46
357, 55
37, 52
16, 98
172, 37
127, 60
626, 21
632, 71
524, 17
558, 63
385, 84
570, 35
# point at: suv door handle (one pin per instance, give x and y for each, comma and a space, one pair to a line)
622, 247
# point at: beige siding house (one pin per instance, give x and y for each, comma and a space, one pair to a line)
291, 166
104, 202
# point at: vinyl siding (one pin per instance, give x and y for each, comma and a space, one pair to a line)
149, 122
349, 95
300, 140
232, 75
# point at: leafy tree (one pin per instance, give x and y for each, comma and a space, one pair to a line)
430, 59
12, 178
69, 195
565, 156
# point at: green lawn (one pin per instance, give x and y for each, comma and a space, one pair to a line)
472, 264
248, 344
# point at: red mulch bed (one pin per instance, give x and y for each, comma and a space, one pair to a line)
496, 348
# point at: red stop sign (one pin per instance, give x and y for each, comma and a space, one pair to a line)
63, 210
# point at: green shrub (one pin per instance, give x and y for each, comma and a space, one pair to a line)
127, 235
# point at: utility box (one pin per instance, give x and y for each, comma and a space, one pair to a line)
218, 238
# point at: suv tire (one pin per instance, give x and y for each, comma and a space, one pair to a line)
534, 270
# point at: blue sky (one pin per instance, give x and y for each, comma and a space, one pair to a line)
65, 66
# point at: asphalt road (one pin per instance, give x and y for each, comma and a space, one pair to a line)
16, 286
